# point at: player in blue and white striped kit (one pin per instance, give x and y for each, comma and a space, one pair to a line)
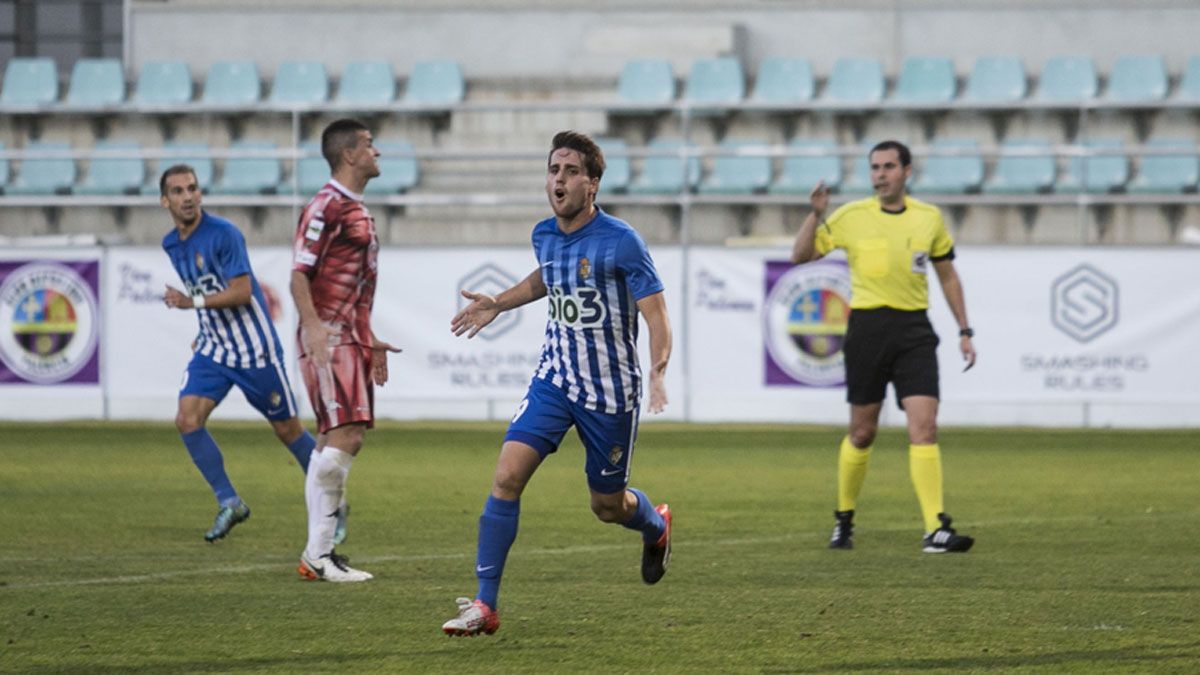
597, 275
236, 346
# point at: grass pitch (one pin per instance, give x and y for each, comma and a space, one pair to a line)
1087, 557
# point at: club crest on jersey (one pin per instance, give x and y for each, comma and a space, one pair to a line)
585, 269
199, 261
615, 455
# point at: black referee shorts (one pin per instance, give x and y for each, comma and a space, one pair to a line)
890, 345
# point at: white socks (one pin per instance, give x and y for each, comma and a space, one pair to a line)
323, 490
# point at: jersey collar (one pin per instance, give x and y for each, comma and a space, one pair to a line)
344, 190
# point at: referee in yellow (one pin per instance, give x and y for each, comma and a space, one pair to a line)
890, 239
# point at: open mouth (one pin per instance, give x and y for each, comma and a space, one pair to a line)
559, 194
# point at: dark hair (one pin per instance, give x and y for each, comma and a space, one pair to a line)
902, 149
173, 171
593, 157
338, 137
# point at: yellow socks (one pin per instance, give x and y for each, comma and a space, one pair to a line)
925, 466
852, 469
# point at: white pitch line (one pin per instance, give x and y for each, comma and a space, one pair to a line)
519, 553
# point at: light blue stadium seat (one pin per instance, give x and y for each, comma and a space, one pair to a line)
1138, 78
249, 175
959, 172
1096, 173
1067, 79
435, 83
996, 79
855, 80
96, 83
399, 169
800, 174
367, 83
311, 171
926, 79
858, 182
45, 176
29, 82
1032, 170
113, 175
647, 82
664, 174
232, 83
300, 83
1189, 82
163, 83
617, 168
783, 81
715, 83
4, 172
738, 174
1168, 173
196, 155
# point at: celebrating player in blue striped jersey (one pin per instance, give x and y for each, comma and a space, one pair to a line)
597, 276
237, 343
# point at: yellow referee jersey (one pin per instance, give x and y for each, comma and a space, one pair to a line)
888, 253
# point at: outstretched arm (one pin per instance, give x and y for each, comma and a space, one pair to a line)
654, 309
236, 294
952, 289
805, 250
485, 308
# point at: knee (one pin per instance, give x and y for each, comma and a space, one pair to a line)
863, 436
187, 422
923, 435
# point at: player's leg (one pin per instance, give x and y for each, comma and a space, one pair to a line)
609, 441
270, 392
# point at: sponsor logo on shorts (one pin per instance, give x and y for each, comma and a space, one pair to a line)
804, 323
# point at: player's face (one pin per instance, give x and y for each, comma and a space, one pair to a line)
365, 156
888, 176
182, 198
568, 186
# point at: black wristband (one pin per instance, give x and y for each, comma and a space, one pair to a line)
967, 332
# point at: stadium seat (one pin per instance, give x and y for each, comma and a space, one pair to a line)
3, 171
399, 169
858, 181
196, 155
1168, 173
96, 83
664, 174
715, 83
1030, 169
1138, 78
367, 83
959, 170
1067, 79
1096, 173
783, 81
926, 79
45, 176
249, 175
232, 83
435, 83
29, 82
855, 80
738, 174
647, 82
996, 79
311, 171
1189, 82
300, 83
113, 175
163, 83
800, 174
617, 169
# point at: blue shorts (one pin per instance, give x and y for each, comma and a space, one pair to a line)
267, 389
545, 415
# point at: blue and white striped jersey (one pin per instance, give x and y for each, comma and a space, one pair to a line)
594, 278
214, 254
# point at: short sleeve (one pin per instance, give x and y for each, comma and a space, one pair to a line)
826, 238
313, 235
633, 259
942, 247
231, 254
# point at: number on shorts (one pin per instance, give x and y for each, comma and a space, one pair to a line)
520, 410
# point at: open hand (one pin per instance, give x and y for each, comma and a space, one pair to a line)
475, 316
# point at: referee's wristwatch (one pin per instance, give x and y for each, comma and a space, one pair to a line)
967, 333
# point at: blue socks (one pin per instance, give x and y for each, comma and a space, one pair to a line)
302, 449
645, 519
497, 531
207, 457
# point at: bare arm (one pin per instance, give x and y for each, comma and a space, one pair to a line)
236, 294
952, 289
804, 250
485, 308
314, 335
654, 309
379, 364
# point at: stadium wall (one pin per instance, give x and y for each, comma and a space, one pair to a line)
577, 40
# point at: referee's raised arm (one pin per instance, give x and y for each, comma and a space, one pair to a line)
804, 250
